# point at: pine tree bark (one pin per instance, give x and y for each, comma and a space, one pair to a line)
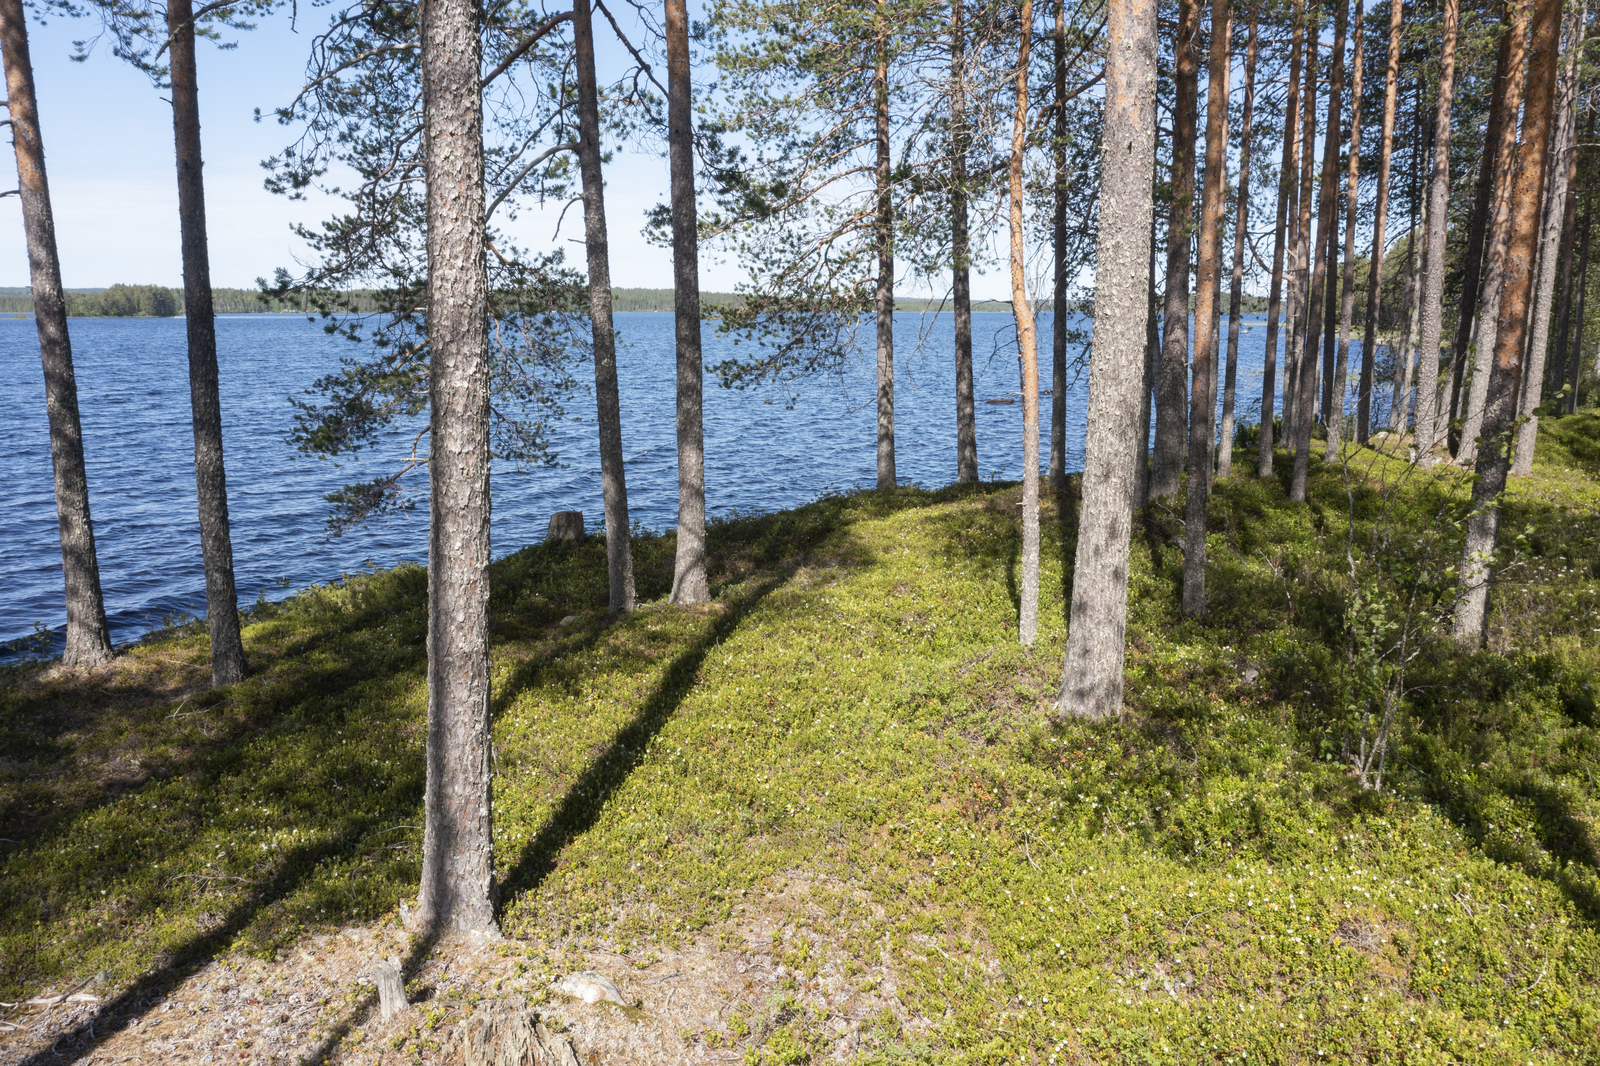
689, 583
613, 479
883, 226
1091, 684
1203, 392
88, 636
457, 893
1499, 235
1027, 347
1559, 174
1327, 225
1468, 318
1330, 314
1287, 211
1171, 387
1152, 356
1058, 307
1494, 457
1300, 256
1426, 433
1411, 303
1380, 219
1241, 226
1581, 283
961, 253
205, 402
1334, 412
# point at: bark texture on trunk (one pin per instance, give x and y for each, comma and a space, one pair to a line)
613, 480
1091, 683
883, 225
1171, 387
1558, 175
1027, 347
1575, 365
1241, 225
1494, 458
1431, 302
1203, 392
961, 253
457, 893
88, 635
1152, 355
1300, 255
205, 402
1058, 317
1327, 225
1405, 371
1468, 318
1380, 219
1508, 103
689, 584
1287, 213
1334, 413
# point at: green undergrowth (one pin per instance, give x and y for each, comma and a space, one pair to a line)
850, 741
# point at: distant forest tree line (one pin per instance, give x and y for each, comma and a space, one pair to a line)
158, 301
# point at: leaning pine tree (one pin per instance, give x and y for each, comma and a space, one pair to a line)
1091, 684
88, 636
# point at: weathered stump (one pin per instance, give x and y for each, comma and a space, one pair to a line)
565, 525
513, 1038
391, 987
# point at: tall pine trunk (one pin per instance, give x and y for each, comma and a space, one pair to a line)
689, 584
457, 893
1411, 302
205, 401
1468, 317
1499, 235
1300, 257
1327, 223
1203, 403
1058, 314
1152, 355
88, 635
1287, 212
1431, 301
1499, 418
1027, 346
1380, 219
1241, 226
961, 253
1559, 173
1091, 683
1171, 388
613, 480
1581, 284
883, 226
1333, 413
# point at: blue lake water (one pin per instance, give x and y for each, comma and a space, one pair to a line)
761, 454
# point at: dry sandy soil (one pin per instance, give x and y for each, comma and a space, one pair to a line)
317, 1003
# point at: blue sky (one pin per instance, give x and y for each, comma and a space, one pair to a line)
108, 149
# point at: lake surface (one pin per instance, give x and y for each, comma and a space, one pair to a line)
761, 453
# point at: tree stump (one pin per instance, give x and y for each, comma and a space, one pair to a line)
565, 525
391, 987
513, 1038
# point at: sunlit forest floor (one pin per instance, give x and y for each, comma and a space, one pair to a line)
831, 818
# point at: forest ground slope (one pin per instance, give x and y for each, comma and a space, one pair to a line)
831, 817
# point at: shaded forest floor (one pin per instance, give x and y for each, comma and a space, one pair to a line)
830, 818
